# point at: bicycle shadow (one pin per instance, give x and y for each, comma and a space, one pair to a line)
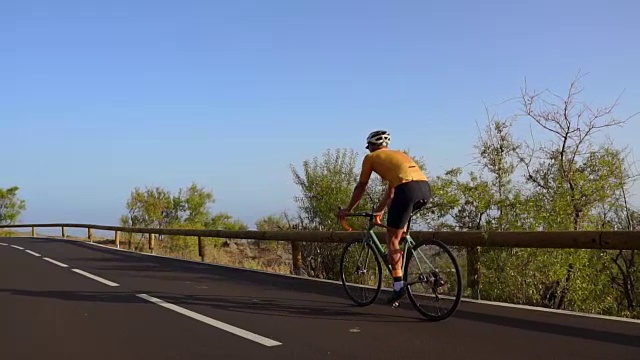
265, 306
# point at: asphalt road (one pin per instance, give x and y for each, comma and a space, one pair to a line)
72, 300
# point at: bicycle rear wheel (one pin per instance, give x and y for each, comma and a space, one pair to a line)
433, 275
361, 268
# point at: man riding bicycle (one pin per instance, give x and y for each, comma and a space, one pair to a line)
408, 189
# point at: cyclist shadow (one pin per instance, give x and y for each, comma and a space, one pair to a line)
255, 305
285, 307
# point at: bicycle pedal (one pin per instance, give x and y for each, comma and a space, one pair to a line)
395, 304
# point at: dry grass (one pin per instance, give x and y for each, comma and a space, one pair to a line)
244, 255
269, 256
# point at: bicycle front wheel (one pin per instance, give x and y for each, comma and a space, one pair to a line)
434, 280
361, 272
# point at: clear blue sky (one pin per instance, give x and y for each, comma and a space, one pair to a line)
99, 97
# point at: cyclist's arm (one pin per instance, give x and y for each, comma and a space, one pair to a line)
361, 186
388, 195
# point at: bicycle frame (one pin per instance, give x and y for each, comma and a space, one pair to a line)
406, 242
431, 277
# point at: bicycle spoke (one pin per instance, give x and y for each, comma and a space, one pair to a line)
361, 274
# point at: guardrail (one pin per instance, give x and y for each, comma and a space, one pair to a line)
471, 240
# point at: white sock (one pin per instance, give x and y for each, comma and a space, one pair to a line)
397, 285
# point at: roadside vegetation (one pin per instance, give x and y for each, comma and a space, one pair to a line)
565, 174
11, 207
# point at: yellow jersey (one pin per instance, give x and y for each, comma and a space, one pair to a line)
393, 166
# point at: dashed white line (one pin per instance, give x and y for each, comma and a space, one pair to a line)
32, 253
56, 262
96, 278
232, 329
3, 244
17, 247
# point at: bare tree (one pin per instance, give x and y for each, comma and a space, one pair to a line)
561, 163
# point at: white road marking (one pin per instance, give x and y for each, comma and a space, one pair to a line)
56, 262
3, 244
96, 278
17, 247
232, 329
32, 253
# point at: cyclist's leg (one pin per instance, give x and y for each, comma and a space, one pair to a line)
397, 219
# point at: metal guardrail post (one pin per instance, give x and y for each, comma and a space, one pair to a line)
201, 249
296, 257
151, 242
473, 271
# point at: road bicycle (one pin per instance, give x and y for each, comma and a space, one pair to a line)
434, 276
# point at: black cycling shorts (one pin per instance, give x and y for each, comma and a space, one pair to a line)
407, 198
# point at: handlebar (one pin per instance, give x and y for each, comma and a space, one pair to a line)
369, 215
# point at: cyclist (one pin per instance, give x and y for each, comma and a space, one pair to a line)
408, 190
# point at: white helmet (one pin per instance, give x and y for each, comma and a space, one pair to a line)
379, 137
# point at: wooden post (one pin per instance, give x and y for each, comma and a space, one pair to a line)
201, 249
473, 271
64, 234
129, 240
296, 257
151, 242
90, 234
117, 239
33, 231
